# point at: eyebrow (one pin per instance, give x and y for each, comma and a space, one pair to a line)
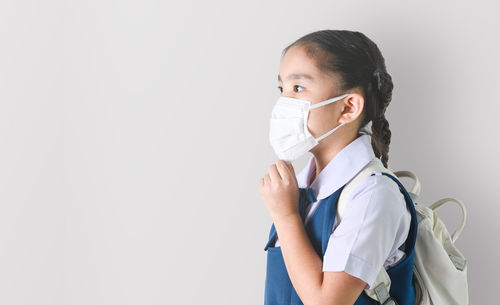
297, 76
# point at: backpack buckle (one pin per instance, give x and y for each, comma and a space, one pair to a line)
390, 301
383, 295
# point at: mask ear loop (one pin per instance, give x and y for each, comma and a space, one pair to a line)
328, 101
328, 133
324, 103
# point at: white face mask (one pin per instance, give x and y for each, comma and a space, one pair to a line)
288, 133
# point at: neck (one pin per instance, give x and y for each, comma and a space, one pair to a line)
327, 150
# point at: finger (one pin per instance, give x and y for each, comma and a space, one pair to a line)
290, 166
267, 179
273, 173
283, 169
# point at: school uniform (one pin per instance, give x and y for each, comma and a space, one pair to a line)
373, 232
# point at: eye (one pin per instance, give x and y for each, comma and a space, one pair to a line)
295, 86
299, 87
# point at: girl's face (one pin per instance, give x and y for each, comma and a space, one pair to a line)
300, 78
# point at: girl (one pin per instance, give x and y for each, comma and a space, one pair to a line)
344, 73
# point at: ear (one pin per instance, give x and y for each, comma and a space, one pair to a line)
352, 107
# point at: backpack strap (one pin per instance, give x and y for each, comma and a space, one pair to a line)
415, 190
380, 288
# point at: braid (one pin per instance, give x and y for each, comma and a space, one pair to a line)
381, 134
381, 138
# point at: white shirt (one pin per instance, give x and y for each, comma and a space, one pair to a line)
376, 221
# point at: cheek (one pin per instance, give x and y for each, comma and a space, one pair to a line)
314, 122
319, 122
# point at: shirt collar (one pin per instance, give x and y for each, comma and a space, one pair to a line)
342, 168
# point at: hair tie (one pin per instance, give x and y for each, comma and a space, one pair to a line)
377, 79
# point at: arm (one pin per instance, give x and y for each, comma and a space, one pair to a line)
304, 267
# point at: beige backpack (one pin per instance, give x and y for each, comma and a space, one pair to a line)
440, 269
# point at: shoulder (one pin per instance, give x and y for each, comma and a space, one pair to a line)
379, 190
376, 201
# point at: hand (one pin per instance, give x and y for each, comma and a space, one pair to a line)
279, 190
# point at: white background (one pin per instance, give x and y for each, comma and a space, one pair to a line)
133, 135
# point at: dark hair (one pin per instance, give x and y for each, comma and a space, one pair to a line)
359, 63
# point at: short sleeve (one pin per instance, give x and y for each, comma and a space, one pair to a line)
363, 239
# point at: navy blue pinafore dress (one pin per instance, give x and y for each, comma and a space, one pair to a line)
279, 289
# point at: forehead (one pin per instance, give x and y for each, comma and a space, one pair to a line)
295, 64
